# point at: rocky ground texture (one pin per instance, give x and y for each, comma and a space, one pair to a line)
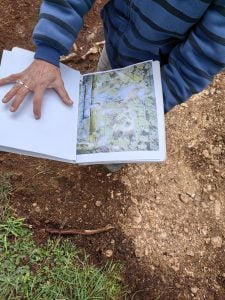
169, 218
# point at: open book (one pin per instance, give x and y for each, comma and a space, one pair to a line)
117, 116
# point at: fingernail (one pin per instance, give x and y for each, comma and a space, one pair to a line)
70, 102
37, 117
4, 100
12, 109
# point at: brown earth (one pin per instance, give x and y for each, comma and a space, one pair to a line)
169, 218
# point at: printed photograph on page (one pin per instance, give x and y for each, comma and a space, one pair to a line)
117, 111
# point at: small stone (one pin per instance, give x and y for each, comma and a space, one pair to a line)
204, 231
192, 195
175, 268
186, 230
190, 253
204, 205
184, 105
223, 175
216, 151
178, 286
146, 252
112, 242
163, 235
209, 187
216, 286
212, 91
212, 197
34, 204
85, 206
207, 241
216, 242
184, 198
217, 209
98, 203
37, 209
190, 273
109, 253
46, 208
206, 153
223, 275
152, 268
138, 253
194, 289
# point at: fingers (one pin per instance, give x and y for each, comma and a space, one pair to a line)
11, 93
38, 95
18, 93
18, 99
38, 77
60, 89
10, 79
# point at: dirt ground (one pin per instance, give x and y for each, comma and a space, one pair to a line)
169, 218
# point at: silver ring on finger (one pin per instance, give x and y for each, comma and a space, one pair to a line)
23, 84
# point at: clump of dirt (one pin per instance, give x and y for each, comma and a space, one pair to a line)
168, 218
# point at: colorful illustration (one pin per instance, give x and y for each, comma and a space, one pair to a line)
117, 111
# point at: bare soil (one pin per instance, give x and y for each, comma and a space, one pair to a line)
169, 218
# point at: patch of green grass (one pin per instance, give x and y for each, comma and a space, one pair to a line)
49, 272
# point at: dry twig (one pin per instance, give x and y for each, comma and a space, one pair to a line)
77, 231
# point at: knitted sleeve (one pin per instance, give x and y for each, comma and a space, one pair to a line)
58, 26
193, 63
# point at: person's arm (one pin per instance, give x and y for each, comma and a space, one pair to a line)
193, 64
54, 34
58, 26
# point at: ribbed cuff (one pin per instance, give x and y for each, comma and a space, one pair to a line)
48, 54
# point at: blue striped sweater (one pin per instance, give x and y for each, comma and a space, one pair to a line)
187, 36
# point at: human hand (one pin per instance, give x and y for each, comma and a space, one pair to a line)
38, 77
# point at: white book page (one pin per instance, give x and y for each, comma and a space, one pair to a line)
54, 135
121, 116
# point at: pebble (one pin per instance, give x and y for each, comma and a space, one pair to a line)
163, 235
192, 195
98, 203
175, 268
146, 252
216, 242
212, 197
34, 204
207, 241
178, 286
217, 209
138, 253
204, 231
204, 205
190, 253
186, 230
194, 289
206, 153
108, 253
216, 151
37, 209
209, 187
184, 105
184, 198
